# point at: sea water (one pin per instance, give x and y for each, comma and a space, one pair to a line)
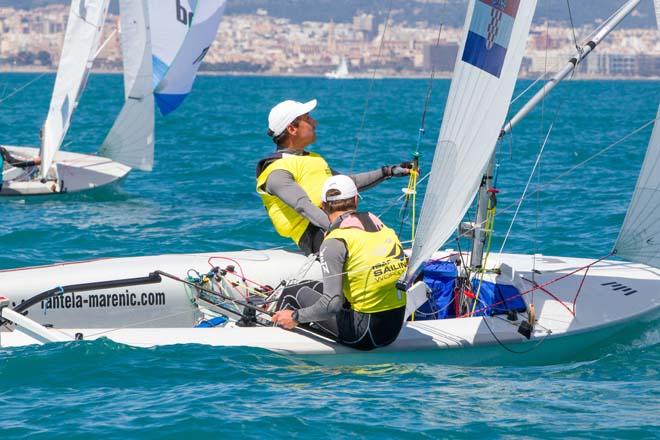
200, 198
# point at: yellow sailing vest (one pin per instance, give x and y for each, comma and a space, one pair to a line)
310, 172
374, 263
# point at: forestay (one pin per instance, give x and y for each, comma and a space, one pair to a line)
81, 41
182, 32
639, 238
131, 139
495, 35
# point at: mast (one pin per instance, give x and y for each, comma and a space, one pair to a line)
81, 39
480, 226
491, 51
476, 256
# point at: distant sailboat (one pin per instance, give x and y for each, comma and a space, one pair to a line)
341, 72
148, 62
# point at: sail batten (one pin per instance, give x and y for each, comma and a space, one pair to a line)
131, 138
182, 33
81, 40
494, 39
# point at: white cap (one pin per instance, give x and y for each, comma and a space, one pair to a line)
285, 112
343, 184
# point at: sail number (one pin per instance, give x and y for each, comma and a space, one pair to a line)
182, 14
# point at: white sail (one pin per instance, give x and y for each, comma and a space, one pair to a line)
639, 238
342, 70
131, 139
494, 40
182, 32
81, 41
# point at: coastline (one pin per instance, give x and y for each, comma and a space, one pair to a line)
354, 76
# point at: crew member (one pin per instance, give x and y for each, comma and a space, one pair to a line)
361, 260
6, 156
289, 181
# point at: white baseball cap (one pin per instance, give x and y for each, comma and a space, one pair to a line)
285, 112
343, 184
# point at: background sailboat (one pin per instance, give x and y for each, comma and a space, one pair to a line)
155, 56
341, 72
181, 35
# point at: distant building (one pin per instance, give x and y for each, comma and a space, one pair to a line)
621, 65
649, 65
441, 57
363, 23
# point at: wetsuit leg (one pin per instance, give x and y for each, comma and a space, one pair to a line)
366, 331
304, 295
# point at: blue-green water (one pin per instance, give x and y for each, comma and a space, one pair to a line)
201, 197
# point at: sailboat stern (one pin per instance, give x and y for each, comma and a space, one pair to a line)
69, 173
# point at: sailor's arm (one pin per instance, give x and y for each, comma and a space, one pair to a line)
280, 183
333, 255
369, 179
18, 163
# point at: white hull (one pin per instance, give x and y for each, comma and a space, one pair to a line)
70, 172
613, 297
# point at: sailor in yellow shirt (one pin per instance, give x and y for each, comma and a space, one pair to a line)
289, 180
361, 260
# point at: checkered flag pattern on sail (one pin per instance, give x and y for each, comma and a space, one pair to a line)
493, 26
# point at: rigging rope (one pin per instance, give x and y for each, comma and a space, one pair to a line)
29, 83
411, 190
490, 224
371, 84
579, 165
547, 283
570, 16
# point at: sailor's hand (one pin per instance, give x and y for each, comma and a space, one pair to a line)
403, 169
284, 319
36, 160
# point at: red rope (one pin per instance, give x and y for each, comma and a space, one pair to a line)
542, 286
242, 274
536, 285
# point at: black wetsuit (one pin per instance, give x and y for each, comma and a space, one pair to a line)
324, 305
5, 156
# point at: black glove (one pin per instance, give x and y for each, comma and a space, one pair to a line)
403, 169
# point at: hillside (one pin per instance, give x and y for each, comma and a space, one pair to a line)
452, 13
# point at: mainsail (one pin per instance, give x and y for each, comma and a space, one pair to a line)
131, 139
639, 238
81, 41
181, 34
495, 35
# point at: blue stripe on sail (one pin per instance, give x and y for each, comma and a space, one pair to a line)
167, 103
159, 69
477, 54
483, 22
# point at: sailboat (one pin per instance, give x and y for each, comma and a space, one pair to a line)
341, 72
505, 308
157, 42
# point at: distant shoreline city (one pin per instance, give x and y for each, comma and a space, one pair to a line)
258, 44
